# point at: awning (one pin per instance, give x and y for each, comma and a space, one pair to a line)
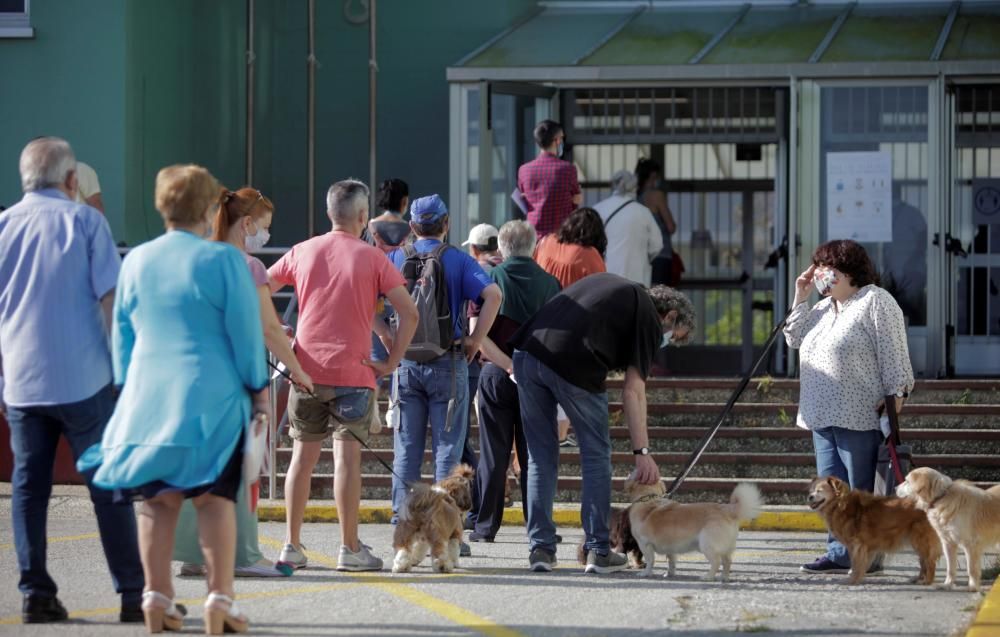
566, 41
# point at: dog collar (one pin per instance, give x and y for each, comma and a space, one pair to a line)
647, 498
937, 499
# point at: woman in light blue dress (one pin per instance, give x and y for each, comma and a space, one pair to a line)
188, 349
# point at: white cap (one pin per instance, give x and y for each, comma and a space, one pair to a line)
481, 235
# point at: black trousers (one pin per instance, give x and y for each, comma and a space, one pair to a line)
499, 429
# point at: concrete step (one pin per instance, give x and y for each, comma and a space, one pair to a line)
767, 389
774, 490
742, 465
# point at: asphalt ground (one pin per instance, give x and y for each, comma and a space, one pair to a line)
493, 593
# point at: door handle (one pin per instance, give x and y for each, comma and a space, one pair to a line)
952, 245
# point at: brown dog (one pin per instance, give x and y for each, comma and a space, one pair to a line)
621, 540
431, 520
868, 524
962, 514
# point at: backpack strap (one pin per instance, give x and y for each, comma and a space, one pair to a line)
616, 211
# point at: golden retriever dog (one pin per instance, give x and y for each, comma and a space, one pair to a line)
670, 528
431, 520
868, 524
962, 514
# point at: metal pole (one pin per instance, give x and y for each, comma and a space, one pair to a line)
311, 122
372, 124
251, 58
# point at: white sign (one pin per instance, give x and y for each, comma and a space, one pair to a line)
859, 196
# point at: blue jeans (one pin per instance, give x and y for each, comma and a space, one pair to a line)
851, 456
34, 434
424, 392
540, 389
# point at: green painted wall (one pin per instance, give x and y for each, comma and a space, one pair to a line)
137, 85
67, 81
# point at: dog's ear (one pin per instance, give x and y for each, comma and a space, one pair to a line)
837, 485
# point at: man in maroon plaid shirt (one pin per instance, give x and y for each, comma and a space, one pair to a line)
549, 184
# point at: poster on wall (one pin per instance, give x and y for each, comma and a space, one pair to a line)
859, 196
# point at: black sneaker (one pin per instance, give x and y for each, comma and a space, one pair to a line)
476, 536
603, 564
568, 442
824, 565
36, 609
131, 612
464, 550
558, 539
542, 561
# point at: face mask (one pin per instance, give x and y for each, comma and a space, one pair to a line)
824, 280
559, 149
257, 241
667, 337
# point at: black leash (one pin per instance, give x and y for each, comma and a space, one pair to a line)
710, 434
364, 444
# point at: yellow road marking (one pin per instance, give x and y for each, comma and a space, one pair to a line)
406, 592
987, 622
56, 540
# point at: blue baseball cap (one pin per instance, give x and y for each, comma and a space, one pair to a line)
427, 209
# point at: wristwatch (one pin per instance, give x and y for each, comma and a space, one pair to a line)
641, 452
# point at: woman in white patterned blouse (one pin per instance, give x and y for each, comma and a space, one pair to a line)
852, 352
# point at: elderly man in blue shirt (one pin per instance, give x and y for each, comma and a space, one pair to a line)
58, 269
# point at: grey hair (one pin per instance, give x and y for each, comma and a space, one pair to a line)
667, 299
345, 198
45, 163
517, 239
624, 182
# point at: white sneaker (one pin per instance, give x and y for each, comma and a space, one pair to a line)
264, 568
362, 560
293, 557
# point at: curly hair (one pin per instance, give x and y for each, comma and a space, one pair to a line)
584, 227
850, 258
666, 299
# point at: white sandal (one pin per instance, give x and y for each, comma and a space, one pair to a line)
161, 613
222, 615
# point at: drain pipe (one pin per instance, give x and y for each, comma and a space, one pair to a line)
372, 123
251, 59
311, 122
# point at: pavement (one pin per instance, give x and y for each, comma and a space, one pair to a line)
494, 594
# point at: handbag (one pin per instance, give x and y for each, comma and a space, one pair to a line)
676, 269
894, 458
254, 448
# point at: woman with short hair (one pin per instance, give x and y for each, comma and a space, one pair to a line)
188, 348
852, 353
576, 249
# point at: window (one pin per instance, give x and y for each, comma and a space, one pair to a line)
15, 19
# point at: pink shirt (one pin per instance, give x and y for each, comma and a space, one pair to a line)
338, 279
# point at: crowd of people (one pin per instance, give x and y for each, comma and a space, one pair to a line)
154, 367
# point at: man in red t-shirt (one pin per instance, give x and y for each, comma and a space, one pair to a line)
549, 184
338, 279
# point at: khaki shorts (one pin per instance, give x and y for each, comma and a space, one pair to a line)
340, 410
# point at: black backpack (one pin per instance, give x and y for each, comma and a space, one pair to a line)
424, 274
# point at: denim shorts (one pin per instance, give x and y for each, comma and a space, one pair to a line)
341, 410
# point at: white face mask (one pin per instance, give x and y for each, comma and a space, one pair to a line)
824, 280
668, 336
257, 241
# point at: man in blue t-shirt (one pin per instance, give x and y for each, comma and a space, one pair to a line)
424, 390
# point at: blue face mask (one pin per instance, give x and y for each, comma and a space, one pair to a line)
667, 337
559, 149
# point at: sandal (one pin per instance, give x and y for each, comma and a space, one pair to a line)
161, 613
222, 615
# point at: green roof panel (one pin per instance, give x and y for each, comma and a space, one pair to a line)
881, 34
555, 37
663, 37
775, 35
975, 34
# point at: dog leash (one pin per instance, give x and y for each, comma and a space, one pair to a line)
364, 444
710, 434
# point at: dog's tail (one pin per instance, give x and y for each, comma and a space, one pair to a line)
745, 502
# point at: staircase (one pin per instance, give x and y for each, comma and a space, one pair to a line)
952, 426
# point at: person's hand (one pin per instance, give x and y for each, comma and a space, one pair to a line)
302, 379
381, 368
646, 471
802, 284
880, 405
471, 347
260, 421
